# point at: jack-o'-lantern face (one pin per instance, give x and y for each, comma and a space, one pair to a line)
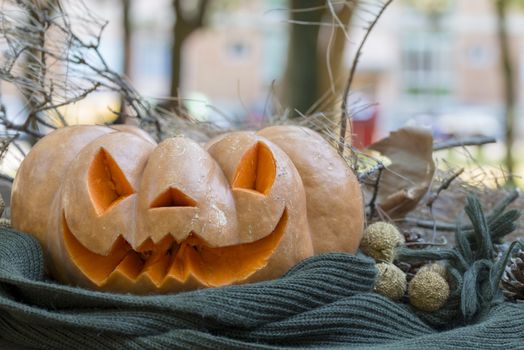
122, 213
142, 218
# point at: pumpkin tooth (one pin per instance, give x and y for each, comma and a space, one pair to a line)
158, 251
156, 266
131, 266
178, 267
96, 267
221, 266
157, 271
170, 259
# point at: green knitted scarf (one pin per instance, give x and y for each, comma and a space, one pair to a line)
325, 301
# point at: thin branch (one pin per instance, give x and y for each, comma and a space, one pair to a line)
431, 244
344, 113
371, 171
470, 141
443, 186
6, 178
444, 226
372, 205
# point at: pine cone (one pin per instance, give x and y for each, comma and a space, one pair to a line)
512, 282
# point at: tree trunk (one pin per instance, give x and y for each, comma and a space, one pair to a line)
185, 25
181, 34
313, 52
301, 77
126, 25
126, 59
509, 85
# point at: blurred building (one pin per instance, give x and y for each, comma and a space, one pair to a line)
441, 68
235, 59
230, 63
436, 67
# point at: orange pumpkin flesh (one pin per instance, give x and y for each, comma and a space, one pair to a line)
172, 197
107, 184
256, 170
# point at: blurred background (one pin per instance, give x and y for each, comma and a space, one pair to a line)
456, 66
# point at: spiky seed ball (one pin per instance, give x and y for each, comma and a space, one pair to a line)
380, 240
429, 290
5, 223
391, 281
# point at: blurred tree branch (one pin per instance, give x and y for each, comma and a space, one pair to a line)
345, 119
127, 54
78, 68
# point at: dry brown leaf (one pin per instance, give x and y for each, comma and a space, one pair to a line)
407, 179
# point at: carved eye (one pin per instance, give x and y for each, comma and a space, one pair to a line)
256, 170
172, 197
106, 182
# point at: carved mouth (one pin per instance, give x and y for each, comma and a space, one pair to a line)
171, 260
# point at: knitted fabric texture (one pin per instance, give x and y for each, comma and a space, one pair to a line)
325, 301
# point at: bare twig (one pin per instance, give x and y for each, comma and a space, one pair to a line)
64, 70
432, 244
372, 202
344, 113
371, 171
470, 141
443, 186
444, 226
431, 224
6, 178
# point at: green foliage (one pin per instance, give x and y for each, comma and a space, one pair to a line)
472, 265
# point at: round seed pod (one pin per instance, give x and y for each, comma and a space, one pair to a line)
380, 241
391, 281
6, 223
429, 290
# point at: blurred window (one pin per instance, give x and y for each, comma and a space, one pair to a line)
479, 56
426, 68
238, 51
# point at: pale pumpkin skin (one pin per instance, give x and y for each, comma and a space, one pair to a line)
241, 195
46, 164
335, 207
258, 213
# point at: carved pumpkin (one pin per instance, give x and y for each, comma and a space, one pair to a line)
115, 211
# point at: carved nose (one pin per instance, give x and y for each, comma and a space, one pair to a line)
172, 197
